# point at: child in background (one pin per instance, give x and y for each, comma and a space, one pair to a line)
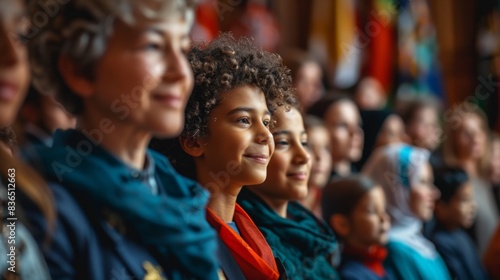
342, 118
354, 207
455, 210
302, 242
468, 146
226, 143
321, 163
405, 175
121, 68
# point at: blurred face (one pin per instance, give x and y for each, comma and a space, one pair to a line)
470, 138
424, 130
370, 95
495, 162
321, 161
462, 207
143, 79
393, 131
53, 116
344, 124
423, 194
239, 145
288, 170
14, 69
308, 84
369, 223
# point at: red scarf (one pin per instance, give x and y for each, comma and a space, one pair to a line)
371, 258
250, 250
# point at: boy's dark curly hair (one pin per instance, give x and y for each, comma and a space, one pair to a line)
225, 64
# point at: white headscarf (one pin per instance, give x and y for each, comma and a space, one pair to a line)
396, 168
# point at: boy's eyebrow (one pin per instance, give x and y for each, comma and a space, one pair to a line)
246, 109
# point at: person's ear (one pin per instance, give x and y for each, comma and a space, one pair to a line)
73, 77
191, 146
340, 224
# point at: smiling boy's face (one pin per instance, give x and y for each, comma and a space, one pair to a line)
143, 79
239, 145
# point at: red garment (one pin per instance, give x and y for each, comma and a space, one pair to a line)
250, 249
371, 258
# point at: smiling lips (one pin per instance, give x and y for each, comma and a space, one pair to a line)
259, 158
297, 175
7, 91
169, 100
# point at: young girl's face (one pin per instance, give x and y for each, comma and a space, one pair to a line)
369, 223
288, 171
321, 161
424, 129
471, 138
463, 207
344, 124
143, 79
14, 69
239, 145
423, 194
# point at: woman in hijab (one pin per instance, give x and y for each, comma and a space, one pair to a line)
406, 177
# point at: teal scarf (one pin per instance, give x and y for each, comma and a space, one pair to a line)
173, 222
302, 242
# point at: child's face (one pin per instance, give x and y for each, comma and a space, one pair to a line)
344, 123
288, 170
308, 83
321, 161
424, 129
462, 206
143, 79
239, 145
369, 223
423, 194
470, 138
14, 69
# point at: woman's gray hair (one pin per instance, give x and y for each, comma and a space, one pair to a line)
79, 29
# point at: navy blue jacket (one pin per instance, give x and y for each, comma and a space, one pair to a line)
77, 250
351, 269
459, 253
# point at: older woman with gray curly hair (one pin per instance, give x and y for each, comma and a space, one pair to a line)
123, 212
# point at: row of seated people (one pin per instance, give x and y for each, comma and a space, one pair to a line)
224, 205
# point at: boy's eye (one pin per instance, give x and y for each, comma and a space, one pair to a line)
266, 123
243, 120
305, 144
